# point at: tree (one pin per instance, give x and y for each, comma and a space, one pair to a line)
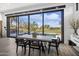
46, 26
23, 25
34, 26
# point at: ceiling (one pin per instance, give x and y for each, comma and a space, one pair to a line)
10, 6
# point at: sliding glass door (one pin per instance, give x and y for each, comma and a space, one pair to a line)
23, 25
13, 26
52, 23
46, 23
36, 20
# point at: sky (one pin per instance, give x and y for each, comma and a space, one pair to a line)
51, 18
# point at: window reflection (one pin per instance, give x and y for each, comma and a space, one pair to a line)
52, 23
23, 24
37, 19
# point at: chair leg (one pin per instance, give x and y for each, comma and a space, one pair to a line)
48, 49
43, 50
45, 47
57, 50
29, 48
22, 47
33, 50
39, 51
24, 50
17, 50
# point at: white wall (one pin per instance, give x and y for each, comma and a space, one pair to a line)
3, 19
68, 15
0, 17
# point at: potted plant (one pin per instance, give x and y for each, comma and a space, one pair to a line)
75, 25
34, 28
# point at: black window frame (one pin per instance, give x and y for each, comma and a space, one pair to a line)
8, 26
62, 23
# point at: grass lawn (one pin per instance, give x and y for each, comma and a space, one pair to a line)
46, 30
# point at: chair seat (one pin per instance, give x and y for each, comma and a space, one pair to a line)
36, 45
20, 44
53, 44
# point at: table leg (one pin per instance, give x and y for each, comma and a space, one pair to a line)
24, 50
29, 47
42, 47
39, 51
57, 48
57, 51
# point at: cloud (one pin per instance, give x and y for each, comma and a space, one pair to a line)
52, 16
36, 17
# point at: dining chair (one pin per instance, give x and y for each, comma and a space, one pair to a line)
35, 45
22, 43
55, 43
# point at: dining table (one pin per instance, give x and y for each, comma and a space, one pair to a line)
41, 38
